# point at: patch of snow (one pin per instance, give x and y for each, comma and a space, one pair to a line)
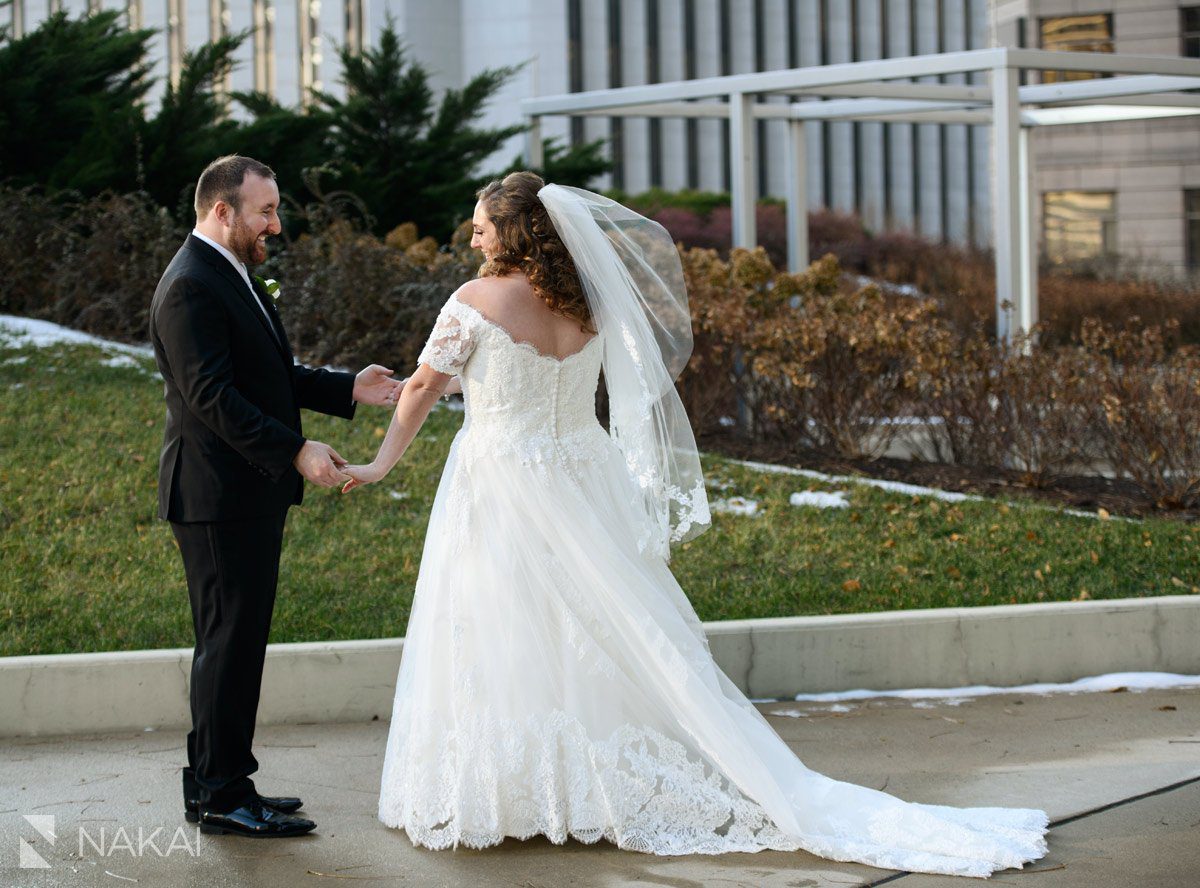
820, 499
121, 361
950, 496
42, 334
1131, 681
806, 713
908, 420
735, 505
911, 290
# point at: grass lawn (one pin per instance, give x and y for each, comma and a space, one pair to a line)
85, 566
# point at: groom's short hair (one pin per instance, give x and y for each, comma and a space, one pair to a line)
222, 180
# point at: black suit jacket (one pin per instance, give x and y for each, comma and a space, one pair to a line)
233, 393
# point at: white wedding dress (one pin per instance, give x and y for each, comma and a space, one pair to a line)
556, 680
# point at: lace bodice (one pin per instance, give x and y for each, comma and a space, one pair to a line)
518, 400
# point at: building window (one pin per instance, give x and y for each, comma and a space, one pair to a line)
264, 46
1078, 224
354, 25
1076, 33
1191, 216
219, 19
1190, 27
575, 62
176, 40
616, 139
309, 36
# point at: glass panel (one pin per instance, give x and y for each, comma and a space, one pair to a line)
1191, 205
1076, 33
1190, 26
1078, 224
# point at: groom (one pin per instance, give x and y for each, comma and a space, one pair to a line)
233, 462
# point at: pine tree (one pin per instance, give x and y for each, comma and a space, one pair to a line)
70, 103
191, 128
407, 160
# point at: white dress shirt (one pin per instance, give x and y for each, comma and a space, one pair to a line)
241, 269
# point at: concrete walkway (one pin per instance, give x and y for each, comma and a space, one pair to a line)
1070, 755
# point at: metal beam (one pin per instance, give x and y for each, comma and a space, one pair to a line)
911, 112
1027, 301
1158, 100
1006, 129
769, 81
1104, 88
983, 116
742, 155
797, 198
839, 108
533, 145
665, 109
947, 92
1057, 116
1103, 62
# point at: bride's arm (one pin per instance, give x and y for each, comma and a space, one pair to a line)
419, 395
454, 387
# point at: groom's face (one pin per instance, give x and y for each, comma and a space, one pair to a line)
257, 220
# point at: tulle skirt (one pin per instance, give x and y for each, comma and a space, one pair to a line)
557, 681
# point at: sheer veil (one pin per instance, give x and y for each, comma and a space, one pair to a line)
633, 281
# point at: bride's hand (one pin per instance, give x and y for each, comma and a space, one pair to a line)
360, 475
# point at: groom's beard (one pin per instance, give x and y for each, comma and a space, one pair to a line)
245, 244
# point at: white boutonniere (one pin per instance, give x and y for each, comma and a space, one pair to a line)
270, 285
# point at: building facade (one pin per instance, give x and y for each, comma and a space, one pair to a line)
1129, 187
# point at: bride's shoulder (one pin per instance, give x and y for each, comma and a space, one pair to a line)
476, 291
491, 296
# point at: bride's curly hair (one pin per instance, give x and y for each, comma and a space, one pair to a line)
529, 243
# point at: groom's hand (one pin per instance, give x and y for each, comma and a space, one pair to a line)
320, 464
373, 385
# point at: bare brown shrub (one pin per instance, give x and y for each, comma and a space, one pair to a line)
1042, 402
89, 264
831, 368
349, 298
958, 391
1146, 408
31, 233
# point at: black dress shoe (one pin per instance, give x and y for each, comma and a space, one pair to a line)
282, 804
254, 819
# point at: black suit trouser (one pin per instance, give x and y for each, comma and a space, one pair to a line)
232, 569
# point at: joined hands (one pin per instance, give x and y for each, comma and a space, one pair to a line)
320, 464
360, 475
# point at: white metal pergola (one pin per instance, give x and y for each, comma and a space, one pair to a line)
1127, 87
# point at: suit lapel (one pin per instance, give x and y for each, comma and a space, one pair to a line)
276, 321
221, 264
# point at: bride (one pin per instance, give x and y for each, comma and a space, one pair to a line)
555, 678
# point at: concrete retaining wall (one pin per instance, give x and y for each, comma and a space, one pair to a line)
355, 680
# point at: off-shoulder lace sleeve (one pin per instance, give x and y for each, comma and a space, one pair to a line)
451, 342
